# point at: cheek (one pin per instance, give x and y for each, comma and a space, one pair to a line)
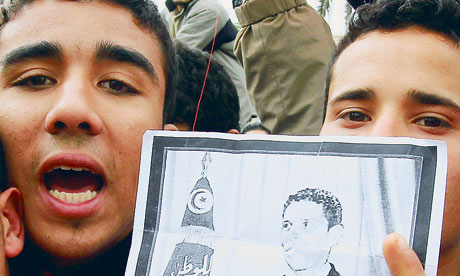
452, 208
284, 237
134, 123
341, 127
21, 145
20, 121
127, 145
128, 159
453, 177
335, 128
127, 128
451, 229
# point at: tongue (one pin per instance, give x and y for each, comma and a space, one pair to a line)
72, 181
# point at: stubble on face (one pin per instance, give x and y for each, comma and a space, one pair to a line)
79, 84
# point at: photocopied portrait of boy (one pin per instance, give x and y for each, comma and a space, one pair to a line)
275, 205
311, 226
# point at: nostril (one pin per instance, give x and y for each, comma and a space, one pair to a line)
59, 125
85, 126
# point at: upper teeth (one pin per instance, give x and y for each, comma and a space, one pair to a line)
66, 168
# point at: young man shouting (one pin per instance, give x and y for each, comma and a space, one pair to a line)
80, 83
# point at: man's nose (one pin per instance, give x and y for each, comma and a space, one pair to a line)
73, 109
392, 126
294, 232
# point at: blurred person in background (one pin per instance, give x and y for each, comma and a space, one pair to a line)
219, 106
284, 47
194, 23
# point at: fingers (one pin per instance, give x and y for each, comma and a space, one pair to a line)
401, 259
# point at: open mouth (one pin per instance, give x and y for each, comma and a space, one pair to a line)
73, 184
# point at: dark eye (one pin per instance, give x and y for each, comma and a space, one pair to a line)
118, 87
432, 122
286, 225
305, 223
355, 116
35, 82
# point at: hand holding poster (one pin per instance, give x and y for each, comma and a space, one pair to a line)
216, 204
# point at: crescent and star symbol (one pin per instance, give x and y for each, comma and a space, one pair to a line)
200, 201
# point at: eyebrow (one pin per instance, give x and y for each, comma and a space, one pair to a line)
354, 95
426, 98
43, 49
109, 51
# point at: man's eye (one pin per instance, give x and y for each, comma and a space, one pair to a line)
355, 116
117, 86
432, 122
38, 81
286, 225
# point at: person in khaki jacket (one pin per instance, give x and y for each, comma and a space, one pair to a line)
285, 47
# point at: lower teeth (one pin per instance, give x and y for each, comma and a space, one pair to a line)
73, 197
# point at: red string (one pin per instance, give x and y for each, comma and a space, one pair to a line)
207, 72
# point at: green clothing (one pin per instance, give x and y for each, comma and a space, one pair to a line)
195, 26
285, 47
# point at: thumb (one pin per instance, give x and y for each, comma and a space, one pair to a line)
401, 259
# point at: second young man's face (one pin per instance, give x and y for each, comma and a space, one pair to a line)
402, 83
80, 83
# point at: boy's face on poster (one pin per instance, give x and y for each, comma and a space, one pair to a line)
402, 83
74, 109
304, 235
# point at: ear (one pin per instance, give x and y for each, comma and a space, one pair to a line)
233, 131
13, 227
170, 127
335, 234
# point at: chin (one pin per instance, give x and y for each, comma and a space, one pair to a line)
299, 265
77, 245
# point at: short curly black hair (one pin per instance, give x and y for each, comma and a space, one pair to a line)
147, 16
332, 208
439, 16
219, 109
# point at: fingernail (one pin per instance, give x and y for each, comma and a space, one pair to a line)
403, 244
